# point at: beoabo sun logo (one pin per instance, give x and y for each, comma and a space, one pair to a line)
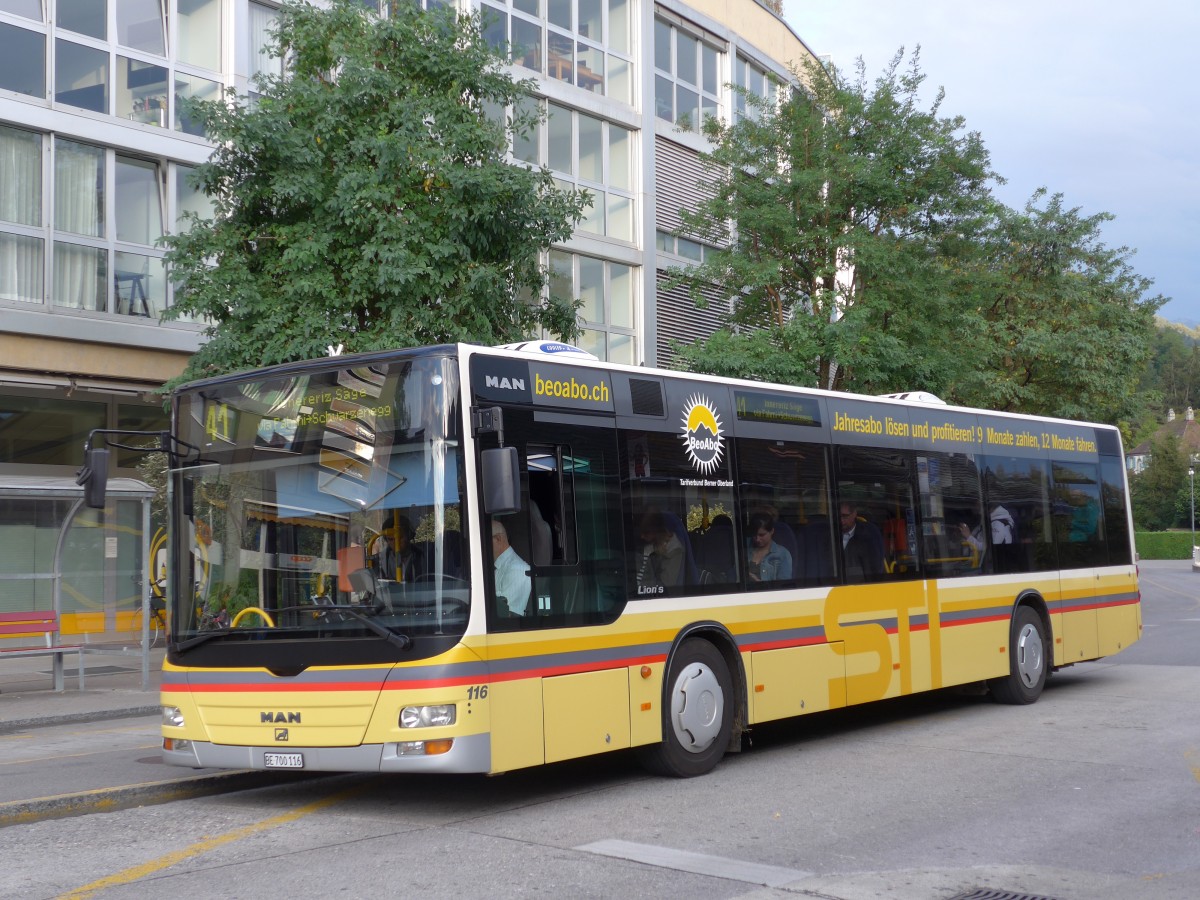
703, 440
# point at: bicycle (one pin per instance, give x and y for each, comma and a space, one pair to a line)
158, 619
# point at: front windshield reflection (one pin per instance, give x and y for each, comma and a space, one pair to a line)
324, 505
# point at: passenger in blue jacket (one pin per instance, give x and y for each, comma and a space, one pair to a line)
765, 559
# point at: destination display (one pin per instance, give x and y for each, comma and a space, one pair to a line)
951, 431
777, 409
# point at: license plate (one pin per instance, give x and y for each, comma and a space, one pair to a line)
283, 760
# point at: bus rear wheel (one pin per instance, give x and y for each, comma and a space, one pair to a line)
1027, 664
698, 711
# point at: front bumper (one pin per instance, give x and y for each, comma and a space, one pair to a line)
470, 753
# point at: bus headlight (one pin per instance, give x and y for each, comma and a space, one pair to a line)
172, 716
424, 748
428, 716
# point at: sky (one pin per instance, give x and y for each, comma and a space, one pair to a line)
1098, 101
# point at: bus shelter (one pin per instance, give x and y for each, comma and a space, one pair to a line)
89, 566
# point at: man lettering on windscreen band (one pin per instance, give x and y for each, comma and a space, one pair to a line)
512, 573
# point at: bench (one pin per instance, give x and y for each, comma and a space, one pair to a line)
16, 625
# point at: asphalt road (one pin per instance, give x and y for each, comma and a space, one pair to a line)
1090, 794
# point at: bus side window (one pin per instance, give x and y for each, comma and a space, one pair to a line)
1022, 487
569, 530
789, 483
955, 530
877, 515
680, 532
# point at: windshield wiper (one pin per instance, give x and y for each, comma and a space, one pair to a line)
402, 641
205, 636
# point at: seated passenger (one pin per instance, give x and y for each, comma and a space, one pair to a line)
765, 559
394, 555
513, 584
862, 546
662, 555
717, 551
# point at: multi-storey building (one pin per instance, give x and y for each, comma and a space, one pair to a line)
94, 153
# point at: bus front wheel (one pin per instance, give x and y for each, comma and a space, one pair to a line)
1027, 663
698, 710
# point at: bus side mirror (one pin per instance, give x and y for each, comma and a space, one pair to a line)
501, 481
94, 476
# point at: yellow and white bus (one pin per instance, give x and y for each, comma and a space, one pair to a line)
685, 557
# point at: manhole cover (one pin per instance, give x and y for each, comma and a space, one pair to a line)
992, 894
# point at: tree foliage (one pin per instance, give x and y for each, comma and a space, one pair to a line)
1172, 373
1156, 492
1066, 322
840, 217
865, 251
364, 199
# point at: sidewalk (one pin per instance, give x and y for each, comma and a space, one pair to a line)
113, 687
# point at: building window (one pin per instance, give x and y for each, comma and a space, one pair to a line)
190, 199
86, 17
199, 24
137, 77
606, 291
80, 269
140, 26
80, 76
141, 91
108, 216
192, 87
589, 153
585, 43
21, 242
22, 61
755, 81
262, 64
30, 9
46, 431
688, 249
687, 77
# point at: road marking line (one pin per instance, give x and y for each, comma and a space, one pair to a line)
136, 873
697, 863
99, 752
1193, 758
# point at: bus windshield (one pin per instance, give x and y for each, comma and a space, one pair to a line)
324, 505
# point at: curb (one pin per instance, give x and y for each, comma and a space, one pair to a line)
61, 806
94, 715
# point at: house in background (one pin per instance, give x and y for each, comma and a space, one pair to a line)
1185, 430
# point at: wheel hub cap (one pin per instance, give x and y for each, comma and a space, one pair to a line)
697, 707
1029, 656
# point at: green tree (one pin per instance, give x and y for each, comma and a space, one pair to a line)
364, 199
1068, 324
1155, 492
1173, 370
841, 218
864, 251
